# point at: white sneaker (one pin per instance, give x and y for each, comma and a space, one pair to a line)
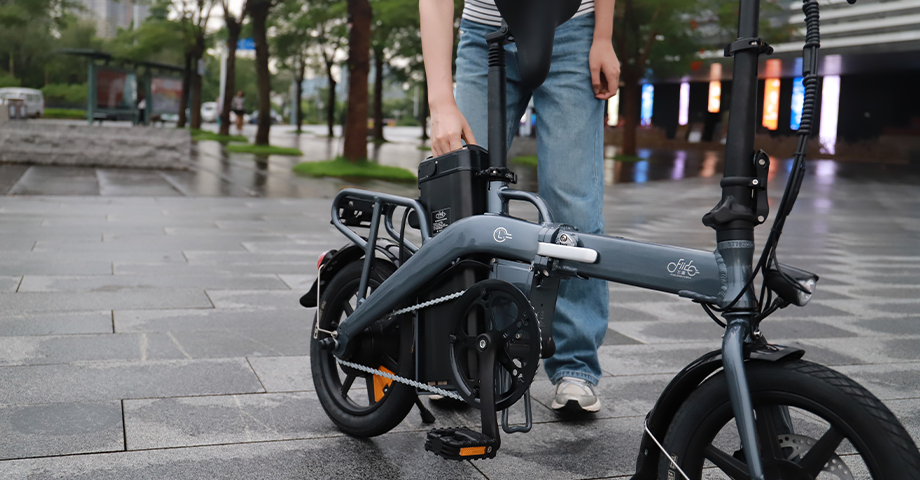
575, 395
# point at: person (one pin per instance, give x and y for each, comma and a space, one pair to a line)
584, 73
141, 107
238, 107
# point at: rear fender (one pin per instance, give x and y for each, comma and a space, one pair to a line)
674, 395
336, 260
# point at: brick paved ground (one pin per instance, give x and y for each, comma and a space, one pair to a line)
145, 333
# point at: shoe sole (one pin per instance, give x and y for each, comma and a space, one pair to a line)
572, 406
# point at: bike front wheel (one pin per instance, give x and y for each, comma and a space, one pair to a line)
812, 423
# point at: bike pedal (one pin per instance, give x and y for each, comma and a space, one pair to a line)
460, 443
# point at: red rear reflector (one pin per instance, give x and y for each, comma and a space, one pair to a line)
319, 261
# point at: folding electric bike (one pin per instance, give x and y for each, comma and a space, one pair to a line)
469, 313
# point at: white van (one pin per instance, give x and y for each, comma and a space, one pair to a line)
35, 101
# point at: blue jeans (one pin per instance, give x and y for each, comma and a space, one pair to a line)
570, 149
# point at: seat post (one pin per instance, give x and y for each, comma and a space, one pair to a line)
498, 125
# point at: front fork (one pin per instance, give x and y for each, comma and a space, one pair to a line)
737, 256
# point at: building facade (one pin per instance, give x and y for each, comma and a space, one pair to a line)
110, 15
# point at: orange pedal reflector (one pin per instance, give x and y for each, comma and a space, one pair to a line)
469, 451
381, 384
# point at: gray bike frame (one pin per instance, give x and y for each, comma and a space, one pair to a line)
695, 274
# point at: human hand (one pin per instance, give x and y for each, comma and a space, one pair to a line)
447, 128
605, 69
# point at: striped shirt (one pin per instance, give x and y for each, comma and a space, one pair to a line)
485, 11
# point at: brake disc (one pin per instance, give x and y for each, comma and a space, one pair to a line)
800, 446
495, 306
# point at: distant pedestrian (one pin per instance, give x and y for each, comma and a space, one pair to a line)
141, 106
237, 106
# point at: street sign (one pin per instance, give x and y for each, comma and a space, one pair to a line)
245, 44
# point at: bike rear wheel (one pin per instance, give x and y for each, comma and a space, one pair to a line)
359, 403
835, 429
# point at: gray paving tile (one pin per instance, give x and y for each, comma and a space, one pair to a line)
577, 449
60, 429
179, 422
887, 382
284, 374
39, 265
114, 283
896, 326
617, 313
9, 283
134, 182
395, 456
117, 300
308, 253
9, 175
154, 268
93, 382
55, 323
42, 180
249, 299
614, 337
651, 359
147, 243
908, 308
53, 349
213, 319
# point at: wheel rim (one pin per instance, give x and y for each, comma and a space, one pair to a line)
353, 391
822, 446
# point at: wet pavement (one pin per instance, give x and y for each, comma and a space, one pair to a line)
150, 325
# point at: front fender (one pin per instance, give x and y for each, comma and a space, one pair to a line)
677, 391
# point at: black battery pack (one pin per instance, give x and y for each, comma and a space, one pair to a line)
451, 188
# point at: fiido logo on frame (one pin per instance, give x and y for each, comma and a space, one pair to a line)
682, 268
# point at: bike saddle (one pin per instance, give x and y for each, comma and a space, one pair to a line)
533, 25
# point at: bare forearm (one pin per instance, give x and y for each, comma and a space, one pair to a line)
603, 19
437, 17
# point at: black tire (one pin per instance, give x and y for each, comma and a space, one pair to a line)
357, 414
822, 404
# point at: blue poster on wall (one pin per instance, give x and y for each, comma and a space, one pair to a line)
798, 103
648, 98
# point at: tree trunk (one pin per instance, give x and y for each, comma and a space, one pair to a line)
631, 97
233, 32
298, 100
378, 95
259, 14
330, 100
186, 84
359, 43
425, 109
195, 109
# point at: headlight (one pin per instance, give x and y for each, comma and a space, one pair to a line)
792, 285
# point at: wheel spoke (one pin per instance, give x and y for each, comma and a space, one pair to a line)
346, 385
733, 467
767, 435
346, 307
369, 381
819, 454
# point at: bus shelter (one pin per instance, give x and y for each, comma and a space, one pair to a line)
117, 87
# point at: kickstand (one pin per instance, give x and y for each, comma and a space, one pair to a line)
427, 416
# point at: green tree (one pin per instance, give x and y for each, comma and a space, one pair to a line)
259, 12
194, 16
27, 35
359, 43
391, 17
234, 27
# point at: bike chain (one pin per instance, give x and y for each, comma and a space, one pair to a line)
404, 380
